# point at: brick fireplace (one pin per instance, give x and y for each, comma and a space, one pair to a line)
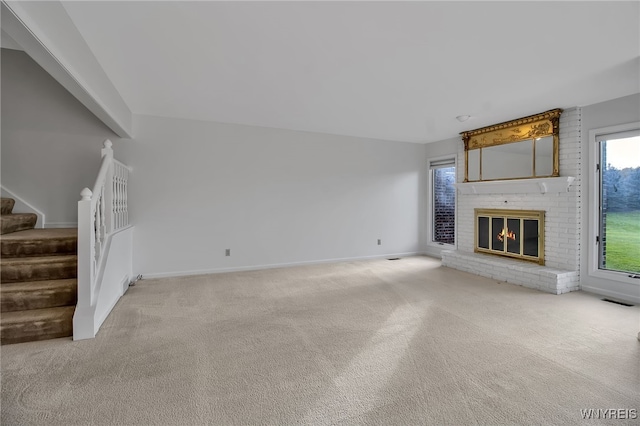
558, 198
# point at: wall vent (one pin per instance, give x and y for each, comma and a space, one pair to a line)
617, 303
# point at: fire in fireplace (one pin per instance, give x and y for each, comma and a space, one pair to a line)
512, 233
507, 233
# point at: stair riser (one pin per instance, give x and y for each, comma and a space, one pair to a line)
38, 299
37, 330
22, 248
7, 205
47, 271
15, 223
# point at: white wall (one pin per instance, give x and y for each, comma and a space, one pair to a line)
443, 148
50, 142
605, 114
47, 34
272, 196
610, 113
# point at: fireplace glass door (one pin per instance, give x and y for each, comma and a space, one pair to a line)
512, 233
513, 236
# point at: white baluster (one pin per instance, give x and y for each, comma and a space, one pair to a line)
125, 219
120, 206
98, 225
122, 193
114, 183
119, 196
103, 206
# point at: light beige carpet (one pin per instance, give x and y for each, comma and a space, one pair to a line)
369, 342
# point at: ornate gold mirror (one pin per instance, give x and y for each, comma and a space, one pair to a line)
519, 149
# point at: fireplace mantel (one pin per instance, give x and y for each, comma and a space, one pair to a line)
517, 186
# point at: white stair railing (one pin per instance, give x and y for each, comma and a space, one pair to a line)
102, 212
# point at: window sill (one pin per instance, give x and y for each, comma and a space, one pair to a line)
622, 277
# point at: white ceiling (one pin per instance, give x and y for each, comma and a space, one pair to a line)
385, 70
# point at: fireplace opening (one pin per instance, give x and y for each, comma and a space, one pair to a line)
512, 233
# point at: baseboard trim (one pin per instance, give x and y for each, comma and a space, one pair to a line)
614, 294
434, 252
272, 266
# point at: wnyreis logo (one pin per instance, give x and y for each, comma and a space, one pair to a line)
609, 413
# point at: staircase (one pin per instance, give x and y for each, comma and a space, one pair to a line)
38, 286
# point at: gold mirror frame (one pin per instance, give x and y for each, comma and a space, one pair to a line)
533, 127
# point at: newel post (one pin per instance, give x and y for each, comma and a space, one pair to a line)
83, 319
86, 247
107, 148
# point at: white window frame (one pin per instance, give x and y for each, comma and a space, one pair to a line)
433, 247
593, 269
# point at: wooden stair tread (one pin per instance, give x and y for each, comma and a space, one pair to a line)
21, 296
7, 205
36, 324
15, 222
60, 312
19, 215
36, 260
42, 233
39, 242
38, 268
36, 285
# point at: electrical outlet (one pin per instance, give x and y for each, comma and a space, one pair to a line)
379, 242
227, 252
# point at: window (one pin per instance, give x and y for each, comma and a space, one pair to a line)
608, 269
442, 179
618, 227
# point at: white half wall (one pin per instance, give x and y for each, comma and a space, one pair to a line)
273, 197
50, 142
113, 281
116, 276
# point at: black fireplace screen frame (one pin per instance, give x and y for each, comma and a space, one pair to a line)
517, 234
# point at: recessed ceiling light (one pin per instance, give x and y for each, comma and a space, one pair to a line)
463, 118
